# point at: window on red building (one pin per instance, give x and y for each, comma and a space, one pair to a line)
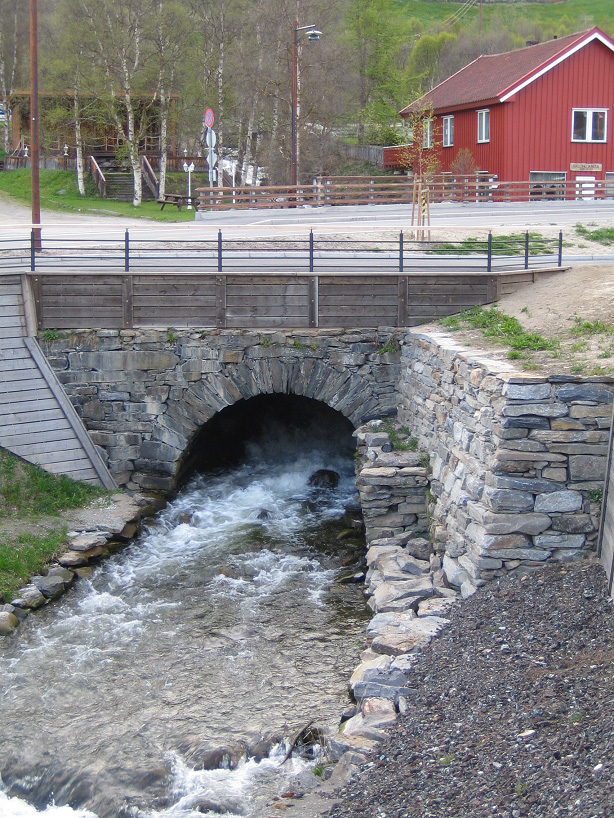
484, 125
588, 125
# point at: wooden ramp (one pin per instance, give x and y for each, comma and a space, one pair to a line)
37, 420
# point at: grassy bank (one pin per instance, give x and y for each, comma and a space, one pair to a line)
58, 191
31, 530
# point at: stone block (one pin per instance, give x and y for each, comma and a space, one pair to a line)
573, 523
558, 501
493, 523
587, 467
527, 392
543, 410
507, 500
550, 542
486, 543
534, 485
584, 392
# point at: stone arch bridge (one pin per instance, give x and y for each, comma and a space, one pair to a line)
144, 395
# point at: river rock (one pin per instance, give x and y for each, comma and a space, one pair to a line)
346, 768
412, 591
8, 623
29, 597
394, 634
435, 606
324, 479
55, 583
359, 726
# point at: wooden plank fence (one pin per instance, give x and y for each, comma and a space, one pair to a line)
77, 300
606, 530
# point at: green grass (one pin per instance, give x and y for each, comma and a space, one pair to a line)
26, 490
23, 556
403, 443
58, 191
602, 235
506, 245
562, 17
504, 329
597, 327
28, 494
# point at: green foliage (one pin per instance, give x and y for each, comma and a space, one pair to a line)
597, 327
402, 442
27, 490
50, 335
500, 327
512, 244
23, 556
171, 335
392, 346
58, 191
603, 235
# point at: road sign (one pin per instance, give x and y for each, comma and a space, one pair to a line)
212, 159
210, 138
208, 117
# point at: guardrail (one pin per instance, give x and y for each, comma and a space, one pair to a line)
409, 250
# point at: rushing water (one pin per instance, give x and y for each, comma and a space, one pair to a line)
219, 627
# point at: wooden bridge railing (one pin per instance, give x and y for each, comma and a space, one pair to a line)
64, 301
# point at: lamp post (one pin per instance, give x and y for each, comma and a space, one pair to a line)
34, 174
189, 169
313, 34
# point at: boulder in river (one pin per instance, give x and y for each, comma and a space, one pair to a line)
324, 479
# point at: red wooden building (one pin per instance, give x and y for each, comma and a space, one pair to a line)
544, 113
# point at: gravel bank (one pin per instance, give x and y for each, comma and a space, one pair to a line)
513, 713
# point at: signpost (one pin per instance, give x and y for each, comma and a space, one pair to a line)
211, 140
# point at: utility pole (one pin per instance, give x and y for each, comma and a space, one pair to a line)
34, 146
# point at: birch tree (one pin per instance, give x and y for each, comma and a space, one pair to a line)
119, 48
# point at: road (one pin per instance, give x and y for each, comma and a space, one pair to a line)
327, 219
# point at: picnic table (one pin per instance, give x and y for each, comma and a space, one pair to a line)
177, 199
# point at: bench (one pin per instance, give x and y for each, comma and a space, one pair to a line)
177, 199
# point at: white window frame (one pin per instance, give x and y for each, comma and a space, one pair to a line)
483, 125
427, 133
447, 127
589, 124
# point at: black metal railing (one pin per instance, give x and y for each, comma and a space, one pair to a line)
408, 250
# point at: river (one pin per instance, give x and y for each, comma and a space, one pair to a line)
220, 628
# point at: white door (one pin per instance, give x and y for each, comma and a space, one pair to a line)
585, 187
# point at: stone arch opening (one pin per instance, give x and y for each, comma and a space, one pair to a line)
294, 420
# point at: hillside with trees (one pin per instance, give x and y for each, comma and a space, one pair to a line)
121, 62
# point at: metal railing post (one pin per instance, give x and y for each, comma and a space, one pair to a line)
219, 251
560, 248
489, 257
311, 251
526, 250
401, 251
126, 252
32, 250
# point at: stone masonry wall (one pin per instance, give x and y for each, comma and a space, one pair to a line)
517, 460
144, 395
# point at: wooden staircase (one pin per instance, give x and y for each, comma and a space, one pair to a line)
37, 420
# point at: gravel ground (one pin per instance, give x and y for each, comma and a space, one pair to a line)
513, 713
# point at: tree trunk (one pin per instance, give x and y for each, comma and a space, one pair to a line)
78, 144
163, 138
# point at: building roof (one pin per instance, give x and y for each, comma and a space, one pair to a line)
496, 77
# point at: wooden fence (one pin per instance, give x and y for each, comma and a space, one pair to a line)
353, 190
606, 530
75, 300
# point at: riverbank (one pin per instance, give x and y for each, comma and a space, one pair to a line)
511, 713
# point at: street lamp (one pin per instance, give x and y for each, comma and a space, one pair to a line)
312, 34
189, 169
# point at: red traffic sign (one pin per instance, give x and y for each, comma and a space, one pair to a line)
208, 117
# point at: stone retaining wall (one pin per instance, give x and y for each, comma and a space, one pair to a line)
517, 460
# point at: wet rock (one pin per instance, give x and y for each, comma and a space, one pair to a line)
55, 583
8, 623
29, 597
324, 479
264, 514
